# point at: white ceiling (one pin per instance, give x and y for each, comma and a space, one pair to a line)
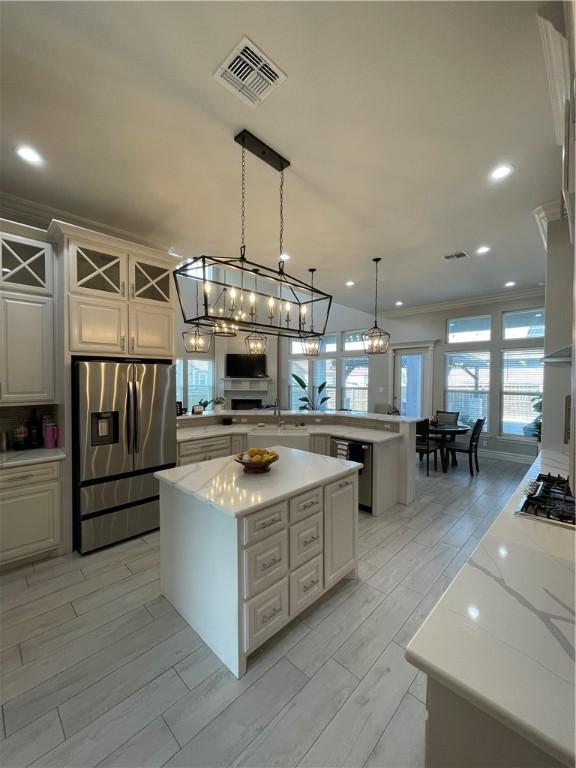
393, 115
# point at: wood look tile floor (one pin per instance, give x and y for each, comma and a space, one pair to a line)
98, 669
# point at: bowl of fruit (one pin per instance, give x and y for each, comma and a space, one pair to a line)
257, 460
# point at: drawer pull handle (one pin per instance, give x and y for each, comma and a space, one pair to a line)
344, 484
306, 587
275, 612
270, 563
269, 522
308, 504
309, 541
17, 478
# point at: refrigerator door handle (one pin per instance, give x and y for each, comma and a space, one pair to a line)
129, 417
136, 417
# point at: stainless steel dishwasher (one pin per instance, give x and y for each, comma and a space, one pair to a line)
361, 452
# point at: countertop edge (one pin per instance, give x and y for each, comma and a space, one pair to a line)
24, 461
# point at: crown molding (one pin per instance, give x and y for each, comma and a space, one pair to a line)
557, 61
38, 215
442, 306
544, 214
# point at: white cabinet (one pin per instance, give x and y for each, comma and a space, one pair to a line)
97, 271
29, 511
25, 265
319, 444
203, 449
340, 526
26, 348
238, 443
97, 325
151, 330
150, 282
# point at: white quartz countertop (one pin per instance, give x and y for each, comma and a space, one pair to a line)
502, 635
11, 459
268, 413
334, 430
224, 484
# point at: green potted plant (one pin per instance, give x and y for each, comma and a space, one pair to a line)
218, 403
310, 402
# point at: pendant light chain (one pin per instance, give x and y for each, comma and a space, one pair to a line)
376, 296
281, 215
243, 205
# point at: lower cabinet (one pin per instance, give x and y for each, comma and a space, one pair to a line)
340, 526
203, 449
319, 444
239, 443
30, 508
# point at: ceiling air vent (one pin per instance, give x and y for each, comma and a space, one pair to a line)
457, 256
249, 73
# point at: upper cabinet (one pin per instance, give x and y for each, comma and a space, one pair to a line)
25, 265
98, 271
150, 282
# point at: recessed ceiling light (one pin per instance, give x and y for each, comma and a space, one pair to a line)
482, 249
399, 303
350, 283
283, 257
509, 284
501, 172
29, 154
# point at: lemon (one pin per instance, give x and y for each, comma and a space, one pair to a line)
253, 451
257, 459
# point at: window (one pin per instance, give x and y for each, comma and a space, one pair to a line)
468, 385
522, 387
353, 341
324, 370
194, 381
526, 324
355, 383
328, 345
465, 329
300, 368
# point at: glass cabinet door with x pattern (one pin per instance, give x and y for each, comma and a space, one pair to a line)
150, 281
98, 271
25, 265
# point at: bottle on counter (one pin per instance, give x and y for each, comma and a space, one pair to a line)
20, 437
34, 431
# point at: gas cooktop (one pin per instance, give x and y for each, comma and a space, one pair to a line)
549, 499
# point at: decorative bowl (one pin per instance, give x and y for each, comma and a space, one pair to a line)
255, 467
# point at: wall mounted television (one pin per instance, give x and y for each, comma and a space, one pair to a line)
245, 366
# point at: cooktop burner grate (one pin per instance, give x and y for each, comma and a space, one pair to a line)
549, 498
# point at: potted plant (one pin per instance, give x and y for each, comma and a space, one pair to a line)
310, 402
218, 403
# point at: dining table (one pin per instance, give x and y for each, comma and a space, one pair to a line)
447, 433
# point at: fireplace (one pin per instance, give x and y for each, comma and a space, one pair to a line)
245, 403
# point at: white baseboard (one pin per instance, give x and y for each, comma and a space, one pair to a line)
519, 458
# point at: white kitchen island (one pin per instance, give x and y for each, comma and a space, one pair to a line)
243, 554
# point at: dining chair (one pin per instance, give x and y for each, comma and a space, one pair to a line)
470, 447
447, 417
425, 446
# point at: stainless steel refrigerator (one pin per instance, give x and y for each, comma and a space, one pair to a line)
124, 430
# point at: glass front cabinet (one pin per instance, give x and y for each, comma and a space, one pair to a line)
25, 265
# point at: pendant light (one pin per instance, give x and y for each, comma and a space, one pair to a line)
255, 342
375, 340
311, 345
240, 295
197, 340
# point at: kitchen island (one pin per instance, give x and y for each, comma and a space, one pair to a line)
498, 649
243, 554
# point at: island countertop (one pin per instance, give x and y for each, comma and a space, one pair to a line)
502, 635
223, 483
367, 435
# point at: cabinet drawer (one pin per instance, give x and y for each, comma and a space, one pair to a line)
306, 585
264, 523
306, 504
204, 447
265, 563
26, 475
306, 540
265, 615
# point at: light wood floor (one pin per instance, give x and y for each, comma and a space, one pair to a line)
98, 669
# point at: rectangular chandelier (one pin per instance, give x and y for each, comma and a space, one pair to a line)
240, 295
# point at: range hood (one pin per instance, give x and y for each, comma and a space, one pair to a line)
563, 355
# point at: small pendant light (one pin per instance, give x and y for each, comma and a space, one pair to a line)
375, 340
311, 345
